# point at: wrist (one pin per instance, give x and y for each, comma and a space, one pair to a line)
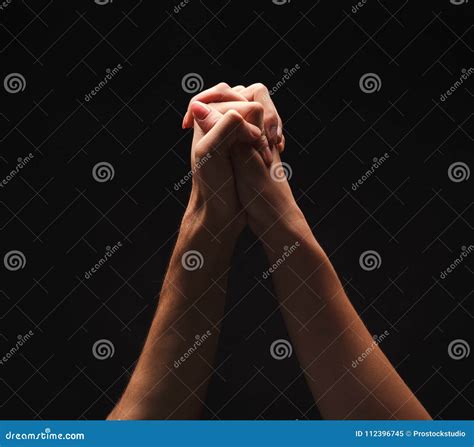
200, 246
286, 230
272, 221
209, 219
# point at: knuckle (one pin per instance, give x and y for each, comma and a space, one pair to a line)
233, 116
261, 87
271, 117
223, 86
257, 107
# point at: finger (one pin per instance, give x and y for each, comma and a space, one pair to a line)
281, 145
218, 93
253, 113
247, 163
273, 124
222, 130
238, 88
205, 116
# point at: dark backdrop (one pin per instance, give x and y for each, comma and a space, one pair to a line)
61, 219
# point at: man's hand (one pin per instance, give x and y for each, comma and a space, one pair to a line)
167, 382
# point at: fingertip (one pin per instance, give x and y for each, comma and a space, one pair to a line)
281, 146
188, 120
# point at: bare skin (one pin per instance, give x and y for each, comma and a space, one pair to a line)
325, 329
191, 302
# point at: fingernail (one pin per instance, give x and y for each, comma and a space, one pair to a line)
200, 110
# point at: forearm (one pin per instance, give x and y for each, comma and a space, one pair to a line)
174, 368
328, 335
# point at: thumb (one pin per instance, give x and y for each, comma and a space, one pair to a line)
229, 129
205, 117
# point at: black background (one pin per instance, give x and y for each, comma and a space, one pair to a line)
54, 212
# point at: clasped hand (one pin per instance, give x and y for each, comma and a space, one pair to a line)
235, 157
238, 179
